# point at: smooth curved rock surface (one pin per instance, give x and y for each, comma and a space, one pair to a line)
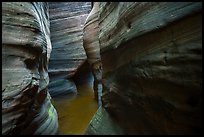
26, 47
62, 87
90, 35
92, 47
152, 66
122, 21
66, 27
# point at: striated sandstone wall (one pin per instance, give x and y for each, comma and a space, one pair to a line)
66, 27
26, 47
92, 47
152, 65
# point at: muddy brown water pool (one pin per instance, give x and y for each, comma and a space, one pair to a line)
75, 111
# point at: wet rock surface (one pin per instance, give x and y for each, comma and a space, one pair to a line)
26, 47
103, 124
62, 87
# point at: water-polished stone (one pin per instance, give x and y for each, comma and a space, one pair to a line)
26, 47
152, 65
66, 27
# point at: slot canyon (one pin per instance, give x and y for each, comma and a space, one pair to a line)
101, 68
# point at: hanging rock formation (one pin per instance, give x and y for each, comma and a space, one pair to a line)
26, 47
152, 66
66, 27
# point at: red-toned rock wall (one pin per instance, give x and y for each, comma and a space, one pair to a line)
92, 47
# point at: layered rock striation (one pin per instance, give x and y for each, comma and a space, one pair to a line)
26, 47
152, 66
92, 47
66, 27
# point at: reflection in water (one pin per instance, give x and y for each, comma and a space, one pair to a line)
75, 111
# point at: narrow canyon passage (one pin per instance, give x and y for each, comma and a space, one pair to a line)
75, 111
71, 80
102, 68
